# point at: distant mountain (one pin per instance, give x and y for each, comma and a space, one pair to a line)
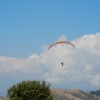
70, 94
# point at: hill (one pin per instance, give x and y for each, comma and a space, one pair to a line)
72, 94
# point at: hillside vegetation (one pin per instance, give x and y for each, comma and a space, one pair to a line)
97, 93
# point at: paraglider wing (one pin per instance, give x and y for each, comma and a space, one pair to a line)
60, 43
65, 42
51, 46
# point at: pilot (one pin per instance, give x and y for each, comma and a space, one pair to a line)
62, 64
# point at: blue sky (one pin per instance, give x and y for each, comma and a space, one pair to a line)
26, 26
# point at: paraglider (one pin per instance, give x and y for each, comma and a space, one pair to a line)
60, 42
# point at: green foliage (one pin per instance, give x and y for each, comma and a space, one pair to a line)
30, 90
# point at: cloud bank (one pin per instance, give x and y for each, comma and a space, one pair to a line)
81, 65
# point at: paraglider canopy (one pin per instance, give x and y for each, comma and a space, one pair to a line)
60, 42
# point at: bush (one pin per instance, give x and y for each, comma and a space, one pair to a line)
30, 90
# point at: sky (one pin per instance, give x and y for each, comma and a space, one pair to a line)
28, 27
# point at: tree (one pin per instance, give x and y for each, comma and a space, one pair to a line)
30, 90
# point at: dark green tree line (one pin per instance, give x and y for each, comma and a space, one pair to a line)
97, 93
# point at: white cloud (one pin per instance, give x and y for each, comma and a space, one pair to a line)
28, 65
80, 64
